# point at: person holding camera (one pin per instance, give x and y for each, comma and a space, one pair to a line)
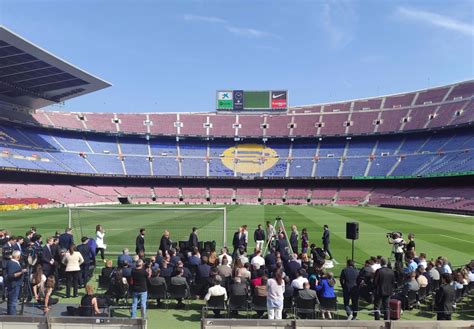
398, 247
14, 275
410, 247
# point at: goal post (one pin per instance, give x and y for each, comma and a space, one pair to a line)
122, 225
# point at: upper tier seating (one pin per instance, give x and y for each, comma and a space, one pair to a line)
431, 108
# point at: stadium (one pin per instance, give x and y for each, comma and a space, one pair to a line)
399, 162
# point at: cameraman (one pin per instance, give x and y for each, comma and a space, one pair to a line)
14, 274
395, 239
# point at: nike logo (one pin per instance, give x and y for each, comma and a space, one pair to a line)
276, 96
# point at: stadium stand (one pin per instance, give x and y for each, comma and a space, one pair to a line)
454, 108
423, 133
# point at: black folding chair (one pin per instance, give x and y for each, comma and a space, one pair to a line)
287, 306
305, 308
421, 294
118, 292
458, 295
411, 299
179, 292
238, 303
259, 304
215, 304
104, 282
470, 287
158, 292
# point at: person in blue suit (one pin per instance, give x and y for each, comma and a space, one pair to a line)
66, 239
124, 257
14, 281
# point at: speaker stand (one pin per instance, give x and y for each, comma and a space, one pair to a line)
353, 250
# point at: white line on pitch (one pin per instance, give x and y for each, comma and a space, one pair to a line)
451, 237
335, 261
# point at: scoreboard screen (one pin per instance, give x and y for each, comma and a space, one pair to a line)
260, 100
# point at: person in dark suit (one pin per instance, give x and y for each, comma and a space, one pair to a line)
85, 251
7, 250
326, 240
157, 280
294, 239
281, 245
180, 280
292, 267
66, 239
307, 294
270, 260
28, 239
238, 241
350, 289
47, 258
193, 241
444, 298
17, 243
165, 242
384, 283
238, 288
140, 242
14, 275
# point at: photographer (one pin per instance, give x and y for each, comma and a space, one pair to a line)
395, 239
14, 274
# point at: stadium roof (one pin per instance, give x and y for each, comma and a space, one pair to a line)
34, 78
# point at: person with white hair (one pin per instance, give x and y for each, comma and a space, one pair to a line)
14, 275
124, 257
224, 253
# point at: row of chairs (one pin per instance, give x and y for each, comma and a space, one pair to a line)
160, 292
292, 306
415, 298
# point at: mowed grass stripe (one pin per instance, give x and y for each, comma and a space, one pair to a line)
445, 222
337, 226
433, 244
453, 218
409, 223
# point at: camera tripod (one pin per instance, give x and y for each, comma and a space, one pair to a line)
278, 223
26, 293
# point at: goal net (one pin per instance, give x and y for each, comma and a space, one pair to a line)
122, 225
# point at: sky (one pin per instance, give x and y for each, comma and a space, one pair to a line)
172, 56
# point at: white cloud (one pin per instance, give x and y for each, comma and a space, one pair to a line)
438, 20
238, 31
248, 32
339, 19
204, 19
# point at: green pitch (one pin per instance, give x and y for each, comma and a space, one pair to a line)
436, 235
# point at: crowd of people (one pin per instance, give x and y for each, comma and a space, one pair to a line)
33, 267
283, 269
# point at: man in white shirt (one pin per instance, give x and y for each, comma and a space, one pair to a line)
215, 291
224, 253
470, 275
243, 256
258, 259
271, 232
299, 282
422, 260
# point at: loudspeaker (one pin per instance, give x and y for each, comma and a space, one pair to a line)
210, 246
352, 231
183, 245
